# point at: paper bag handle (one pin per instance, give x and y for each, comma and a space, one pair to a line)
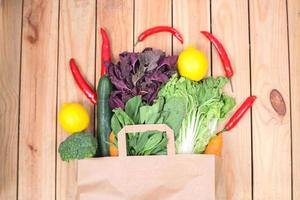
143, 128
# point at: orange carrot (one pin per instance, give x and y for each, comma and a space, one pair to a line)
113, 149
215, 145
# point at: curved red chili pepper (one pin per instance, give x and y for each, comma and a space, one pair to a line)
105, 52
158, 29
222, 53
239, 113
81, 82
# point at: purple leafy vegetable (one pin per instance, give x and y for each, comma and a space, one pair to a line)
139, 74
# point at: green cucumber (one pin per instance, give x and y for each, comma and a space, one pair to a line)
104, 115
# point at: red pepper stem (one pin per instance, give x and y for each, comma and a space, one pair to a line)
136, 43
231, 86
223, 130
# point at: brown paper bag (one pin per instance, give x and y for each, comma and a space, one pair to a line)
166, 177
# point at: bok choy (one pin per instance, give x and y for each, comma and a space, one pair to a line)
205, 106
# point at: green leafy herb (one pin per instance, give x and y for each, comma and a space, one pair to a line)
132, 108
119, 120
169, 112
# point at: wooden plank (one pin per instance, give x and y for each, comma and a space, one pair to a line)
150, 13
10, 44
77, 40
269, 70
119, 27
38, 100
294, 41
230, 20
190, 17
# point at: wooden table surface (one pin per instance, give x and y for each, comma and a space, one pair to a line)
38, 37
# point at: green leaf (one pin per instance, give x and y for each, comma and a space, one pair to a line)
152, 142
132, 108
161, 147
151, 114
174, 112
229, 103
119, 120
115, 125
142, 140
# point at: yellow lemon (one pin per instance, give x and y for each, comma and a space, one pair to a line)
73, 117
192, 64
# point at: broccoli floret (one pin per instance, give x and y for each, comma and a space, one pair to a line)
78, 146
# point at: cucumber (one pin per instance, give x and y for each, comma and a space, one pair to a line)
104, 115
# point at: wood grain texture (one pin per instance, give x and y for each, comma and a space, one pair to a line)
49, 41
294, 41
230, 26
10, 44
190, 17
269, 70
150, 13
38, 100
119, 27
77, 40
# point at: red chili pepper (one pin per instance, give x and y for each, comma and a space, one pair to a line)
239, 113
158, 29
81, 82
105, 53
222, 53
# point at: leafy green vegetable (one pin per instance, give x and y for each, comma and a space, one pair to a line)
78, 146
151, 114
119, 120
174, 112
170, 112
132, 108
205, 105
